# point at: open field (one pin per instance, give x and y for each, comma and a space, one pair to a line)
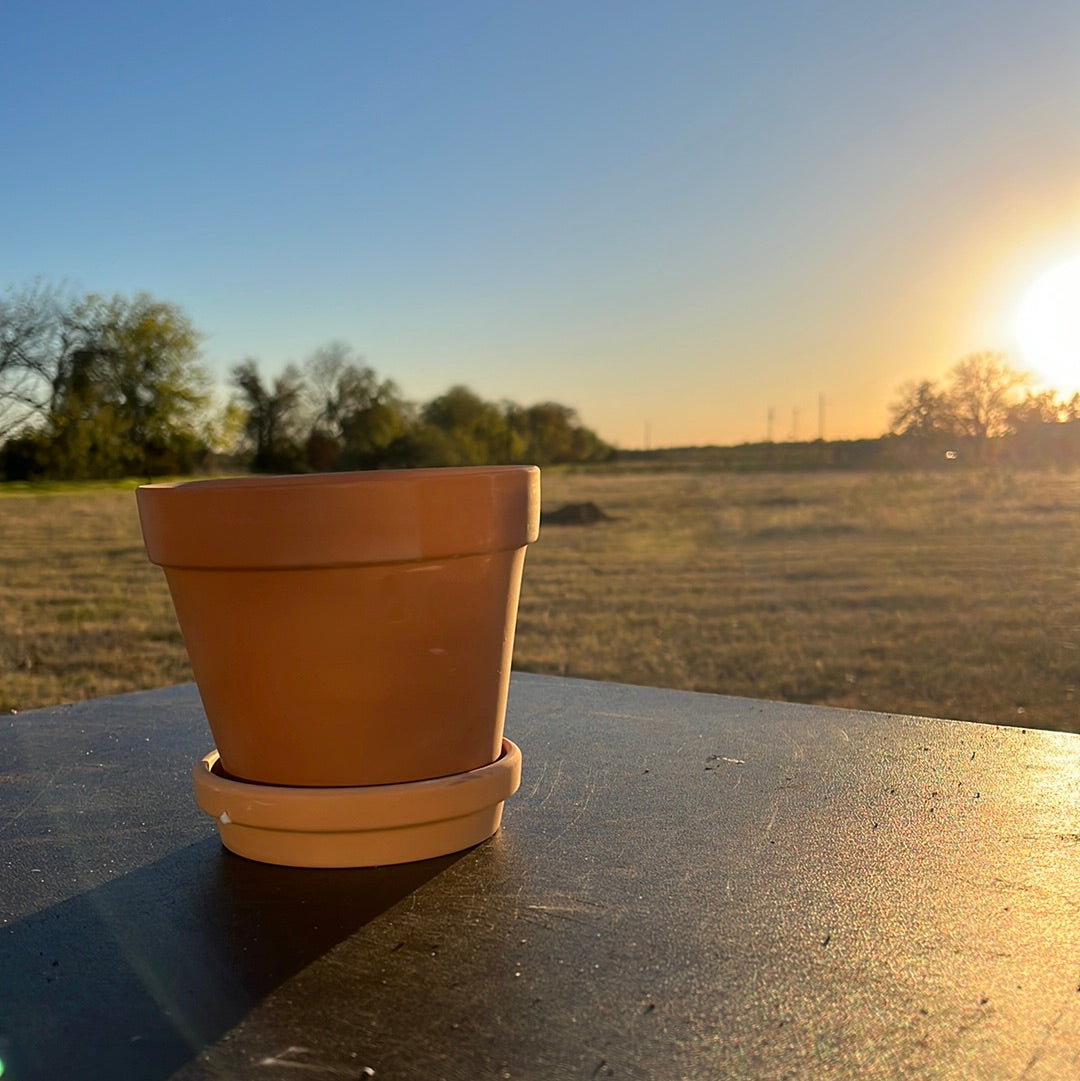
951, 594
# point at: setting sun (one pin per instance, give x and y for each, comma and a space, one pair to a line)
1048, 326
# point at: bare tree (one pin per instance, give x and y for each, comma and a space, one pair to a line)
355, 414
983, 388
273, 422
921, 409
40, 337
1037, 409
324, 370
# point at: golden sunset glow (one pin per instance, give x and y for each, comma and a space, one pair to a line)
1048, 327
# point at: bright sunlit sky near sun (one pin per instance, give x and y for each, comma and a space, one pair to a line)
672, 216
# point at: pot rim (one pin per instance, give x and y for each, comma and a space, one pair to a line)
339, 519
322, 480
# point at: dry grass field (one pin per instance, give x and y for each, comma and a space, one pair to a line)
950, 594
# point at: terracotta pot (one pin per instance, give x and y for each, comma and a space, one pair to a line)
348, 629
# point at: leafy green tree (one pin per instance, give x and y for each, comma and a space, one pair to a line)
369, 431
423, 446
587, 446
551, 433
146, 375
545, 431
109, 385
105, 386
86, 436
477, 431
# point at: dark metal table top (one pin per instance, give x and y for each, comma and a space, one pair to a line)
685, 886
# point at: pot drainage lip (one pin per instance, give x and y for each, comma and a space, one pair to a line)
369, 825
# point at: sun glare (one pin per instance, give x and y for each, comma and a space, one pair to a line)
1048, 327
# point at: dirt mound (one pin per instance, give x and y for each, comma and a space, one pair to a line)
575, 514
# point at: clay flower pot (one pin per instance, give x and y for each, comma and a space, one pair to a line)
351, 637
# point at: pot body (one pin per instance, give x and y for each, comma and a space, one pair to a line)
348, 629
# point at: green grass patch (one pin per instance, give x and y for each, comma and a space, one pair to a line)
71, 487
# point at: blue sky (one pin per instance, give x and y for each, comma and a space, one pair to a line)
675, 215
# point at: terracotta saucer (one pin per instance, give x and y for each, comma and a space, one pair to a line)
366, 826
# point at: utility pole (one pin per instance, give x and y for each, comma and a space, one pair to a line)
770, 419
821, 417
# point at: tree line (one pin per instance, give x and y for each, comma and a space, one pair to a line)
983, 412
986, 410
98, 387
335, 412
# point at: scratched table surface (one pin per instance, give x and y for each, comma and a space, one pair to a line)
685, 886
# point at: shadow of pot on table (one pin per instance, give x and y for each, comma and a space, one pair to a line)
136, 977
